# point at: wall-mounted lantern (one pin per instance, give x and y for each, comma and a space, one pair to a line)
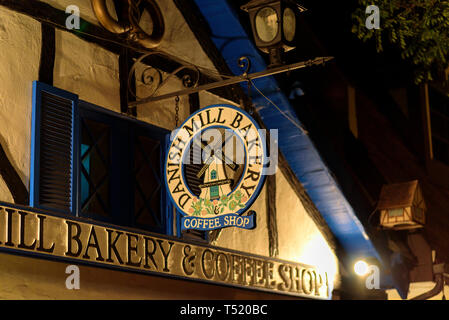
402, 206
274, 26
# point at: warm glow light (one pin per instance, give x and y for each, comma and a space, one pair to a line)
315, 251
361, 268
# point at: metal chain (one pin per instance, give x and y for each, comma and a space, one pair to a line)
176, 111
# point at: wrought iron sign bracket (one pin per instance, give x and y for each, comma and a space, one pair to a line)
152, 78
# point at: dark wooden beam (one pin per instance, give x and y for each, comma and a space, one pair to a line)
92, 33
194, 102
125, 64
12, 179
47, 61
273, 243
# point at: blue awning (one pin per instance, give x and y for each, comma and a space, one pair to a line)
233, 42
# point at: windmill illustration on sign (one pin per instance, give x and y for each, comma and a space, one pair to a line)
215, 181
221, 169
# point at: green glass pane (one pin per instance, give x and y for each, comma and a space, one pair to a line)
84, 182
395, 212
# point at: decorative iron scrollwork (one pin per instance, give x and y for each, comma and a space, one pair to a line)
189, 74
245, 64
131, 28
226, 80
152, 78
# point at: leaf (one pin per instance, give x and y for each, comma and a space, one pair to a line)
418, 29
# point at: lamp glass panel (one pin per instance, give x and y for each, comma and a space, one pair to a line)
395, 212
267, 26
289, 23
419, 214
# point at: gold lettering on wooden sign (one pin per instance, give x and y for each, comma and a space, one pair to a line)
26, 231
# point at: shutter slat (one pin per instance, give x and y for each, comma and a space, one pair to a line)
56, 185
57, 174
56, 139
57, 100
58, 122
56, 129
52, 195
60, 181
56, 133
56, 147
56, 156
55, 166
62, 114
60, 111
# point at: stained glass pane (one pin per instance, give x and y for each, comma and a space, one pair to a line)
148, 183
95, 163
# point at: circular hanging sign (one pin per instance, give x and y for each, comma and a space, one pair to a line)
214, 168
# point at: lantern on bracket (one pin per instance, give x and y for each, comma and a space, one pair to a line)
274, 26
402, 206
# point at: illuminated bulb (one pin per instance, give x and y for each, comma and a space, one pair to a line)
361, 268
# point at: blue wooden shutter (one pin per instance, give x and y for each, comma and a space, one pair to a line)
54, 149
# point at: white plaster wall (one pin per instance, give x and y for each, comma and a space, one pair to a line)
299, 238
20, 45
207, 99
85, 7
179, 40
5, 194
87, 70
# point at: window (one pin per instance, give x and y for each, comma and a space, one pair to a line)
94, 163
95, 167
